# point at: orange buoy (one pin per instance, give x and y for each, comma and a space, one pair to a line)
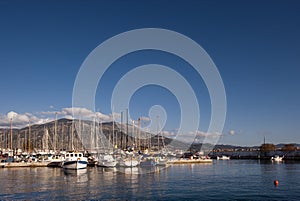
276, 182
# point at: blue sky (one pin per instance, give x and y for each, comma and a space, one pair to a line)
255, 46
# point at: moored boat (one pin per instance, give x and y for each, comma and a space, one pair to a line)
106, 161
56, 160
277, 158
147, 161
223, 157
162, 161
128, 162
74, 160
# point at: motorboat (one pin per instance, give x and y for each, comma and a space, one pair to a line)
223, 157
56, 160
74, 160
277, 158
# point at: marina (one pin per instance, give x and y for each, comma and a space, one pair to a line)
77, 160
149, 100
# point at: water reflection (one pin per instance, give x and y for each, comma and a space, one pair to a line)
109, 170
242, 179
75, 172
130, 170
79, 176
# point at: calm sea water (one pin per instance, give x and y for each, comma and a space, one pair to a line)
222, 180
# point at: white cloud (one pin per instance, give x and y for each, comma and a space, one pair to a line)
83, 113
22, 120
11, 115
79, 113
48, 112
103, 117
19, 120
232, 132
68, 117
169, 134
209, 135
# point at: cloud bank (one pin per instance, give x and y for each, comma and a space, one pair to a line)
22, 120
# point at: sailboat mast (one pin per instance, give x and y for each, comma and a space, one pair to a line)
10, 145
80, 133
101, 138
126, 144
139, 132
133, 134
29, 133
113, 130
93, 135
121, 130
55, 132
157, 132
72, 131
62, 136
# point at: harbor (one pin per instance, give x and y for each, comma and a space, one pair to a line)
154, 160
112, 144
149, 100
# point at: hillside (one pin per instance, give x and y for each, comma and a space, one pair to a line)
79, 135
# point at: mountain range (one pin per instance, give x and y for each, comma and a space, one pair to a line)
67, 134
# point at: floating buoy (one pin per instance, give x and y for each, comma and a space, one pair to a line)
276, 182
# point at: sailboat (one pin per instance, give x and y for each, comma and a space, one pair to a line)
128, 160
107, 159
161, 159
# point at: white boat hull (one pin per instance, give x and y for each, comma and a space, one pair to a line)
223, 158
107, 163
277, 158
75, 165
75, 161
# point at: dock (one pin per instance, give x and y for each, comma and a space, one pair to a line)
16, 165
